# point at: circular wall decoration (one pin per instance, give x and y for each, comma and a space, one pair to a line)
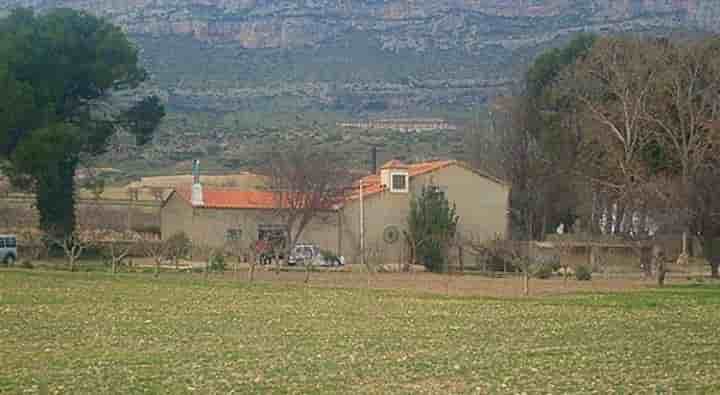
391, 234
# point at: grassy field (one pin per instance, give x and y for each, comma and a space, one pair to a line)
66, 332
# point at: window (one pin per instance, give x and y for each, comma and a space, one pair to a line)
399, 183
233, 234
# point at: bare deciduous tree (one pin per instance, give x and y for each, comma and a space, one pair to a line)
177, 246
374, 261
615, 84
511, 151
515, 252
34, 242
117, 251
307, 185
686, 114
156, 250
250, 255
238, 248
73, 246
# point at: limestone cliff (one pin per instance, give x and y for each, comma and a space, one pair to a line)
405, 23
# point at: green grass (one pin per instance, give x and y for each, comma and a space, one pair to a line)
94, 333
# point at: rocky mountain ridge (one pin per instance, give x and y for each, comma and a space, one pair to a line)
236, 67
400, 24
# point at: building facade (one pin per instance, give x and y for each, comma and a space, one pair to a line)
223, 215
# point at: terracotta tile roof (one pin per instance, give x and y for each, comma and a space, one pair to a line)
239, 199
372, 185
228, 198
427, 167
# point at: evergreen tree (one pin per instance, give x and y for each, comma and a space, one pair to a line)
432, 225
57, 71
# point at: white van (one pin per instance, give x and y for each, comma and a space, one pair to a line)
8, 249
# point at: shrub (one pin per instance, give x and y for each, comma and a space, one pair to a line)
177, 246
552, 261
583, 273
216, 263
26, 264
329, 255
544, 271
496, 262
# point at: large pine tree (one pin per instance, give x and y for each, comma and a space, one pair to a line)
57, 71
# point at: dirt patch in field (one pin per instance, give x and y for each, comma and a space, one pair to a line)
454, 285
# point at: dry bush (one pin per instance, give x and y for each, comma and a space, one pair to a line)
74, 245
156, 250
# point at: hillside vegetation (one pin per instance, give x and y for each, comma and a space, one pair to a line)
238, 73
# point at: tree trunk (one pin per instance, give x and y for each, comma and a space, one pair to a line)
642, 223
157, 268
661, 272
448, 282
709, 253
55, 198
529, 224
526, 282
608, 220
618, 220
251, 272
593, 215
461, 259
277, 262
658, 260
646, 261
308, 268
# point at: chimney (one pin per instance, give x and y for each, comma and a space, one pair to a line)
196, 198
373, 160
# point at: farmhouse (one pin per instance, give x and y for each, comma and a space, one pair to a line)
214, 216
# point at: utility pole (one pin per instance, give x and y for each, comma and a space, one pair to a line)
362, 225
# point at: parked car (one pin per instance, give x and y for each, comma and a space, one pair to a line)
304, 254
8, 249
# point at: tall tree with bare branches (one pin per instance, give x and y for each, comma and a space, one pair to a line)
526, 144
686, 115
614, 85
307, 184
512, 152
